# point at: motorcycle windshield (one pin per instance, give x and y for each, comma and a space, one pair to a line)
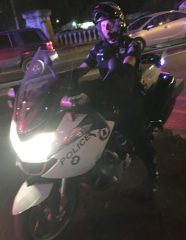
31, 105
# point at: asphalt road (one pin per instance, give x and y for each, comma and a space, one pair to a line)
114, 214
175, 64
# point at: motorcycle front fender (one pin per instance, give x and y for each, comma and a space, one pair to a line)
29, 196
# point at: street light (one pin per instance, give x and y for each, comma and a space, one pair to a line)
74, 24
14, 14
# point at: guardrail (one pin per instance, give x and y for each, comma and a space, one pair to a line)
77, 37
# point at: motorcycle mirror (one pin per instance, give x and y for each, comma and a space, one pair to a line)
11, 97
151, 58
11, 93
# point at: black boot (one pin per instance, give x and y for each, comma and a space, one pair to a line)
124, 150
153, 179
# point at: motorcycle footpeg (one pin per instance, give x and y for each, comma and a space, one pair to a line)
111, 157
157, 124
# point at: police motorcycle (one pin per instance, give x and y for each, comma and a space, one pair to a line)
60, 145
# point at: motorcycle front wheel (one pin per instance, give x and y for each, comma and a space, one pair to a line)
47, 220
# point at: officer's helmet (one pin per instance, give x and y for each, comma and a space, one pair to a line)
108, 10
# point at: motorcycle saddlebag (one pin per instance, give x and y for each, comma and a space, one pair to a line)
160, 98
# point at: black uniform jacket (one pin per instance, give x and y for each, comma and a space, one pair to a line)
100, 54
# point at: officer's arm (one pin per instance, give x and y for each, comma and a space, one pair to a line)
82, 70
88, 63
130, 60
133, 54
78, 72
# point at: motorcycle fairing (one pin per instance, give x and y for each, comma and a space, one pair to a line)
74, 158
161, 97
29, 196
31, 110
150, 74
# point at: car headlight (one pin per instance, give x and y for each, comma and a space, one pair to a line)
36, 149
162, 61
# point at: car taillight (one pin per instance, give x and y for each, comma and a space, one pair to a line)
49, 45
26, 53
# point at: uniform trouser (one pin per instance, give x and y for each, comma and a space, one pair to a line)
131, 125
132, 112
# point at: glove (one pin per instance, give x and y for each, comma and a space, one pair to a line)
70, 102
81, 99
114, 65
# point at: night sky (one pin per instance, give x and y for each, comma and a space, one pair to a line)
79, 10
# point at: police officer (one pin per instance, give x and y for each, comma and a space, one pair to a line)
117, 57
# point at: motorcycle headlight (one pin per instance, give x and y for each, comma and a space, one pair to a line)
34, 150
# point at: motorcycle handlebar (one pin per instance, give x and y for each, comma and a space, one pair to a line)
67, 103
73, 102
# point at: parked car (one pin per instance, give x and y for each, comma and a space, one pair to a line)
158, 28
17, 47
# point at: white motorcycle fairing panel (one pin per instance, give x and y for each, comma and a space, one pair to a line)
79, 156
30, 196
150, 74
